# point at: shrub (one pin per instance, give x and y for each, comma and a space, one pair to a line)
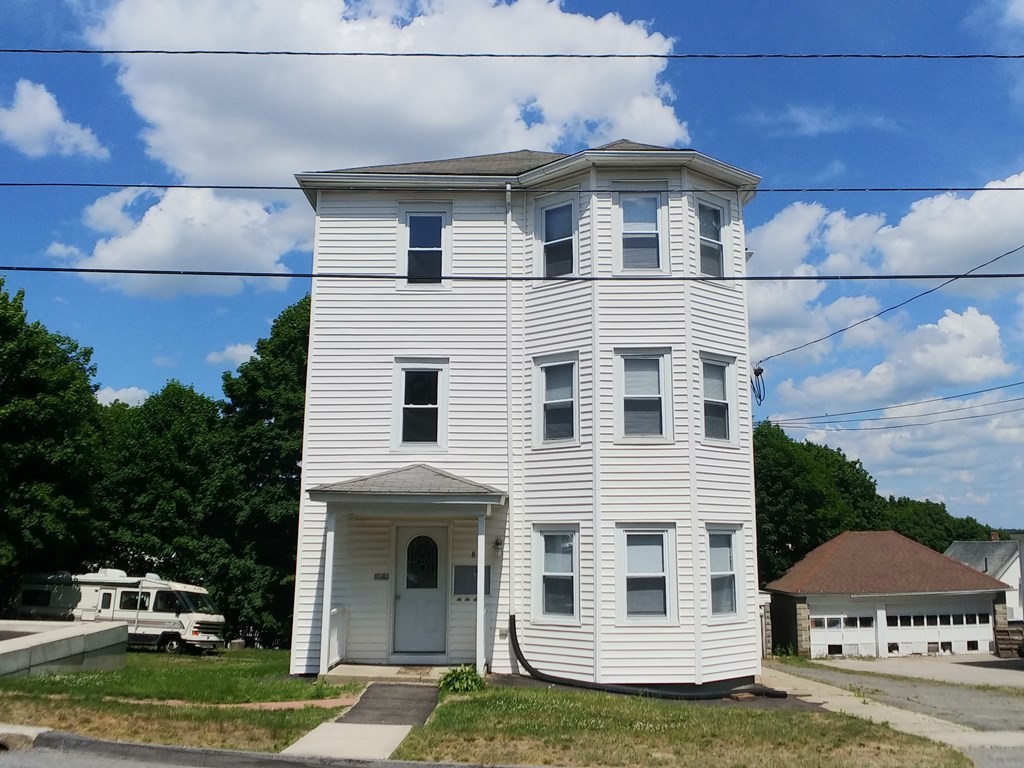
464, 679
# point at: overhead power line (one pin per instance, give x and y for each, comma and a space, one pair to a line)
828, 422
947, 280
497, 278
511, 54
914, 424
900, 405
295, 187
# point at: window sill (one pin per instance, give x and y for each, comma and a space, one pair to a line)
555, 445
660, 623
556, 621
726, 619
444, 287
714, 442
620, 440
419, 448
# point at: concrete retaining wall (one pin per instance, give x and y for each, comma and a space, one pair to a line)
48, 646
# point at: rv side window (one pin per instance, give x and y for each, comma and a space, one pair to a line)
35, 598
105, 601
135, 601
165, 601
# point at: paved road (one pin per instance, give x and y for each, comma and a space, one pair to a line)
978, 708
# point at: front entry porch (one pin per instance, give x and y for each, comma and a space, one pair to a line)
383, 673
402, 587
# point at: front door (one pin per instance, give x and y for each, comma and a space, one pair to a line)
105, 606
421, 589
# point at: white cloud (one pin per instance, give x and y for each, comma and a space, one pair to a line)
63, 251
236, 354
195, 230
805, 120
950, 233
165, 361
246, 119
129, 395
36, 127
959, 349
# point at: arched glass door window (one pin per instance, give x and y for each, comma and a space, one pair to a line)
421, 564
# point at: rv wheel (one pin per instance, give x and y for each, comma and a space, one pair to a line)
171, 644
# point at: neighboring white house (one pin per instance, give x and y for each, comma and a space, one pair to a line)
999, 559
511, 364
877, 593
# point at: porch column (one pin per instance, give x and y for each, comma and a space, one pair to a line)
481, 569
325, 608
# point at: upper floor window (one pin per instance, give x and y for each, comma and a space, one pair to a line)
717, 400
641, 225
426, 248
421, 408
557, 413
712, 249
643, 385
557, 226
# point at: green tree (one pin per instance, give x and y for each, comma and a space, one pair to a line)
263, 416
49, 428
156, 486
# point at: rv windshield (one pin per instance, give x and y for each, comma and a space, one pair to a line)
199, 603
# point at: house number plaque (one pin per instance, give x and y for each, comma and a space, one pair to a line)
381, 576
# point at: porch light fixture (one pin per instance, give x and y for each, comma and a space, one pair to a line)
498, 546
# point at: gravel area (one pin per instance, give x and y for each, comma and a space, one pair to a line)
978, 708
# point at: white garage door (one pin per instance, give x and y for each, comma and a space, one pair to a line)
937, 626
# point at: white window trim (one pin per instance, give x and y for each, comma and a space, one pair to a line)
664, 354
729, 363
644, 189
443, 209
541, 204
738, 570
401, 365
539, 363
668, 532
725, 231
539, 617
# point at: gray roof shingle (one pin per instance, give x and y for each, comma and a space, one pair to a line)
991, 557
414, 480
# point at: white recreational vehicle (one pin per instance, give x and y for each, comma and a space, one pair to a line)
160, 614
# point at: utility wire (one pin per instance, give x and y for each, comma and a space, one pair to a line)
499, 278
968, 274
509, 55
295, 187
901, 405
826, 422
917, 424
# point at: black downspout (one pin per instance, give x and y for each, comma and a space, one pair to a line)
632, 690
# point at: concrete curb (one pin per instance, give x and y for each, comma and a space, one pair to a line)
19, 737
202, 758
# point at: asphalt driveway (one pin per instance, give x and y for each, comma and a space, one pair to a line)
961, 670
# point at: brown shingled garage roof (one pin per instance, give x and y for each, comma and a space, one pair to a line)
879, 563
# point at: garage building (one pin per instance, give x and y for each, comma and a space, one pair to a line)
877, 593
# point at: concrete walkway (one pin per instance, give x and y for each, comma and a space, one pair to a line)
838, 700
374, 727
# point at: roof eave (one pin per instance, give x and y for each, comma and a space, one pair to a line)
650, 158
311, 183
347, 497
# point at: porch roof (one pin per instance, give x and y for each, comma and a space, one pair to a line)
417, 482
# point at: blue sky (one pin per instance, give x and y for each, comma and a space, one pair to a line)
797, 123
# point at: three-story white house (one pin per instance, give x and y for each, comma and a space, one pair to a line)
524, 361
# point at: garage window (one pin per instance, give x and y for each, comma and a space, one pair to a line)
958, 619
905, 621
867, 621
945, 619
972, 618
817, 623
919, 621
983, 618
835, 650
972, 645
850, 621
932, 620
833, 622
892, 621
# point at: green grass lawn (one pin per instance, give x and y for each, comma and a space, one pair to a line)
125, 704
227, 678
547, 727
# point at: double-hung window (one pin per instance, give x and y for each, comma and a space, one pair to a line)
712, 247
647, 581
557, 565
421, 393
644, 394
556, 395
718, 388
640, 215
425, 256
556, 225
722, 560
